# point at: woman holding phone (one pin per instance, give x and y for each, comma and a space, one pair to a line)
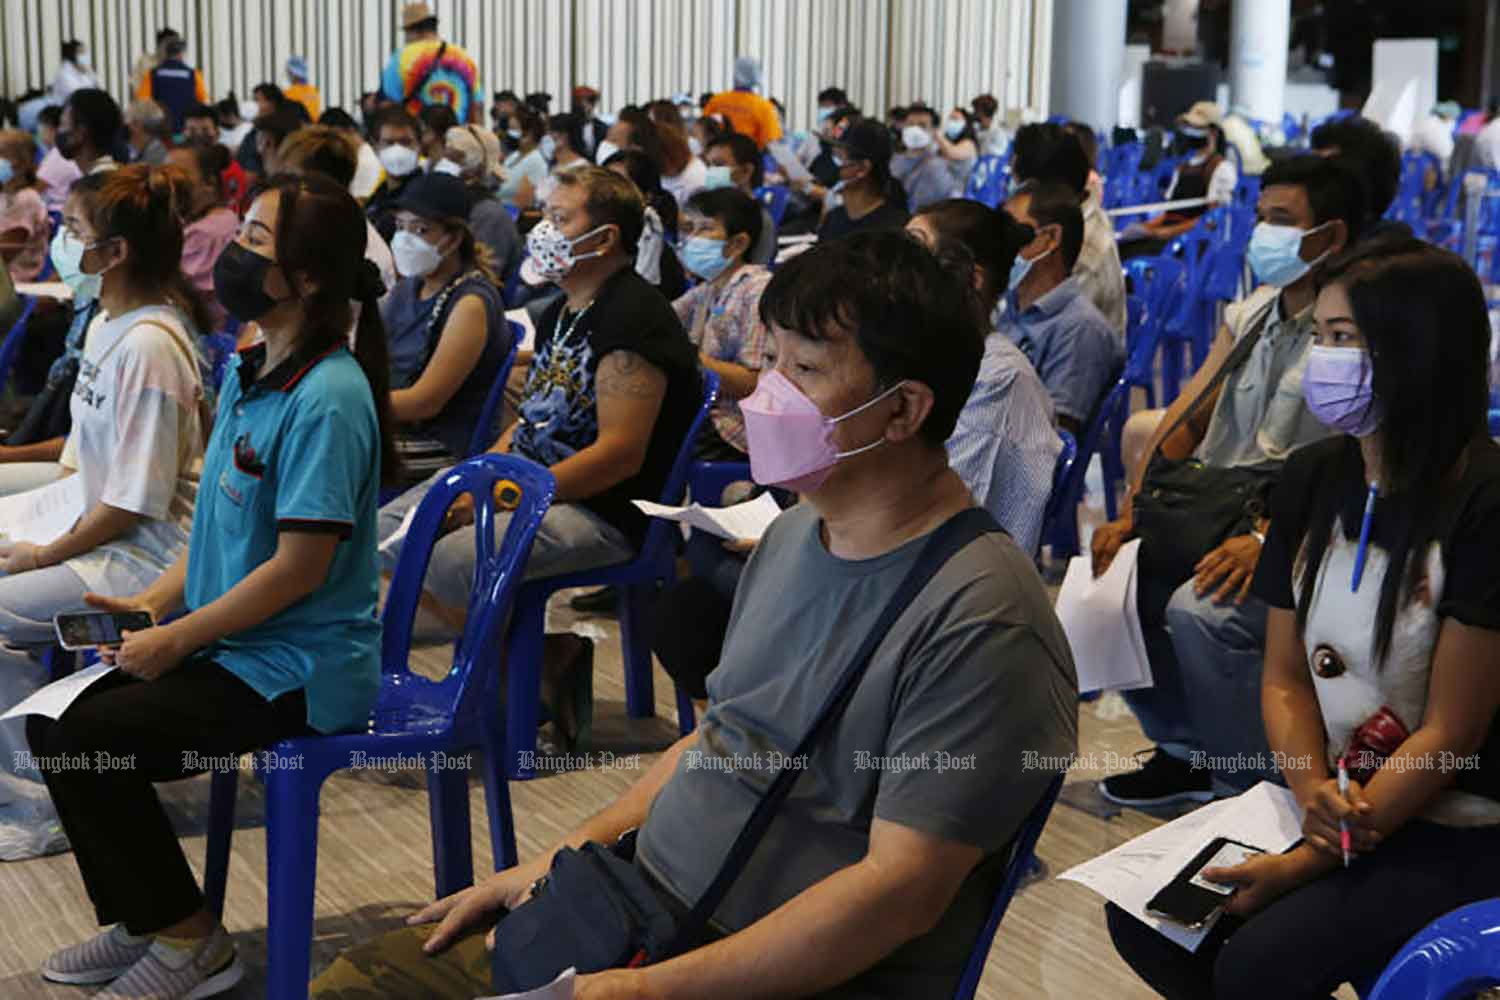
1382, 647
279, 585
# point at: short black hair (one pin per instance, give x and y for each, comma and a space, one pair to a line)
229, 107
911, 315
539, 101
505, 95
395, 116
570, 125
921, 109
985, 104
833, 95
162, 34
50, 115
437, 118
176, 46
279, 124
739, 212
98, 115
338, 118
270, 92
1369, 149
1047, 151
744, 150
991, 236
1334, 189
201, 111
1053, 203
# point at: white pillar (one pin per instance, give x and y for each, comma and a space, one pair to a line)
1258, 40
1088, 50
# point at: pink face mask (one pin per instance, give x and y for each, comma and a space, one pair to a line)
791, 442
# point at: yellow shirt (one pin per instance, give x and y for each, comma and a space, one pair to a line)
306, 95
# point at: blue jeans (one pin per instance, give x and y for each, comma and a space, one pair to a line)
571, 538
1206, 662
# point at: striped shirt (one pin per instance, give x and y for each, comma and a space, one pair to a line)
1005, 446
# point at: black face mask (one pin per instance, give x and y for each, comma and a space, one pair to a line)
240, 283
67, 143
1191, 143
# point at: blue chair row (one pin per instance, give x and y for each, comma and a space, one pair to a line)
988, 180
10, 348
414, 719
774, 197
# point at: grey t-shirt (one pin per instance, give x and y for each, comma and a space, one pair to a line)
973, 678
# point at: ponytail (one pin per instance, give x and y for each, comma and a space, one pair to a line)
372, 352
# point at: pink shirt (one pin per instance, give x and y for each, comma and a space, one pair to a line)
23, 209
58, 173
202, 242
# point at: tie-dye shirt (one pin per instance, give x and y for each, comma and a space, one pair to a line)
453, 80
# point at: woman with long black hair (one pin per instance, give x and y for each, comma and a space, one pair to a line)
279, 635
1382, 646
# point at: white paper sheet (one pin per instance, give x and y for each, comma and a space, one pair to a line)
786, 158
44, 289
1267, 816
560, 988
748, 520
44, 514
54, 699
523, 317
398, 536
1099, 618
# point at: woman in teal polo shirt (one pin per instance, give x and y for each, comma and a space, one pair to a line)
280, 636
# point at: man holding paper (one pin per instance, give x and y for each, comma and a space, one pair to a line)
870, 880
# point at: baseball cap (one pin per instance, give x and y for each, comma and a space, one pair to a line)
866, 139
1201, 115
435, 196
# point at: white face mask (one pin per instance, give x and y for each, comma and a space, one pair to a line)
604, 152
447, 166
415, 257
82, 60
916, 137
695, 146
399, 161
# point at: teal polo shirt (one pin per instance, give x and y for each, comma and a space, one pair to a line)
296, 448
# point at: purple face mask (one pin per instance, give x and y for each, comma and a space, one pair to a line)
791, 442
1337, 387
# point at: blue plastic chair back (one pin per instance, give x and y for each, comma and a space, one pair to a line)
484, 427
987, 180
10, 348
515, 212
774, 197
1455, 956
1055, 531
659, 534
1021, 855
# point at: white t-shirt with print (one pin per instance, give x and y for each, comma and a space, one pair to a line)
137, 439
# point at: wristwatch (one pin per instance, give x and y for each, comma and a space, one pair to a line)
1259, 536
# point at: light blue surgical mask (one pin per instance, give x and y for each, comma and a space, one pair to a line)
718, 177
1021, 267
548, 147
824, 114
704, 257
7, 171
954, 128
1275, 254
67, 259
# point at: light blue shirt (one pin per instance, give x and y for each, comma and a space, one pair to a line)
1070, 344
926, 178
532, 166
296, 449
1005, 446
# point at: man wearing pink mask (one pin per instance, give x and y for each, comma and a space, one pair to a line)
887, 585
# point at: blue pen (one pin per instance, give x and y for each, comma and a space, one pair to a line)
1364, 537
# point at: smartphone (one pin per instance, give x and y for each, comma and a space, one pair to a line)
88, 629
1192, 900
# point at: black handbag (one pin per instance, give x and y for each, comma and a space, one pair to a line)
1184, 508
594, 909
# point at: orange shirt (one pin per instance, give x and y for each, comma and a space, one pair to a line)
306, 95
749, 113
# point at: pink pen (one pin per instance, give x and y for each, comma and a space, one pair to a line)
1344, 843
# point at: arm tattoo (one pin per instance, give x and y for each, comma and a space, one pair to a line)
626, 373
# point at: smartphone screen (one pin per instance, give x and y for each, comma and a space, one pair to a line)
87, 629
1192, 900
1227, 856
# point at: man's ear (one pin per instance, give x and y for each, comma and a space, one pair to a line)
1338, 236
916, 402
737, 245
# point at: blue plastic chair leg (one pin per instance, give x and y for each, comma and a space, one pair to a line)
497, 803
448, 809
687, 719
524, 683
1171, 368
291, 873
635, 643
221, 794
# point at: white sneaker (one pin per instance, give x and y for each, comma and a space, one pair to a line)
167, 973
103, 957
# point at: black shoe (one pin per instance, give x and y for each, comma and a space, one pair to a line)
604, 601
1160, 780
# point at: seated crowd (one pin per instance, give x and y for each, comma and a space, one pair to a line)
903, 388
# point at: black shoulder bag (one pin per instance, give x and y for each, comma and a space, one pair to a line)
437, 60
594, 909
1184, 509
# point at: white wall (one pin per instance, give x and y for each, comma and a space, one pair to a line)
882, 51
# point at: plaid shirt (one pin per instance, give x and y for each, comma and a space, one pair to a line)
725, 325
1098, 268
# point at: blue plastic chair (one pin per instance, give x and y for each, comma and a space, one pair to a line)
484, 428
987, 180
1159, 283
1022, 854
708, 480
515, 212
413, 718
10, 348
1057, 530
774, 197
1457, 955
654, 566
1494, 419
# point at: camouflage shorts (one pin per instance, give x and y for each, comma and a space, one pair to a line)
394, 966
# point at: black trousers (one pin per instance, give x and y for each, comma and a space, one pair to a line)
1343, 927
119, 737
